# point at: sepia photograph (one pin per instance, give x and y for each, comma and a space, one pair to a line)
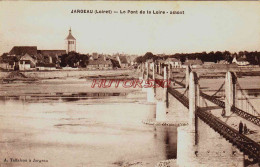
129, 83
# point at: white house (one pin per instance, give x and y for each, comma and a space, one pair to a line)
240, 61
173, 62
26, 62
192, 63
7, 65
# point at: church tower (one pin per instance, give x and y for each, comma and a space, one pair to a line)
70, 43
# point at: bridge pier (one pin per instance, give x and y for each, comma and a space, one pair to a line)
204, 146
230, 92
186, 148
187, 136
144, 76
154, 67
142, 70
150, 95
162, 102
187, 76
159, 68
141, 78
193, 100
169, 72
160, 111
165, 89
147, 70
151, 90
153, 71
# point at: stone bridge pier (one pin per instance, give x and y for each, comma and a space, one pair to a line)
187, 135
162, 98
230, 92
200, 145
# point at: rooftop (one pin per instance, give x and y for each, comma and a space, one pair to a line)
193, 62
123, 59
70, 37
22, 50
52, 52
172, 60
99, 61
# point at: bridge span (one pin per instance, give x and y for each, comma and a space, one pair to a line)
246, 145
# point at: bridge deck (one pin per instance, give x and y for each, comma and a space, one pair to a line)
245, 144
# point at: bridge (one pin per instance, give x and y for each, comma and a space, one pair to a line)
159, 72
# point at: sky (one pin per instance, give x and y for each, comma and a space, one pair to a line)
204, 26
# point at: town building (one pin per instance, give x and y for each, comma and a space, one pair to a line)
192, 63
240, 61
27, 62
51, 57
25, 56
52, 53
70, 43
173, 62
19, 51
223, 62
28, 58
45, 66
123, 62
99, 62
7, 65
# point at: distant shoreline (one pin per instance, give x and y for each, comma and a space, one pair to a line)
69, 73
130, 73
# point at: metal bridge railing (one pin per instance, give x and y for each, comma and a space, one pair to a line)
213, 99
252, 118
180, 83
234, 109
246, 115
245, 144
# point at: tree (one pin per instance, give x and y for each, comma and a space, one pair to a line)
240, 54
147, 56
227, 56
74, 58
6, 58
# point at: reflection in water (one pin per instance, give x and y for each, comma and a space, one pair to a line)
170, 144
66, 97
168, 135
112, 131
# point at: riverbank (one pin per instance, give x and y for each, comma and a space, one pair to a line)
64, 74
177, 72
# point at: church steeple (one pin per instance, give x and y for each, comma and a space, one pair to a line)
70, 42
70, 35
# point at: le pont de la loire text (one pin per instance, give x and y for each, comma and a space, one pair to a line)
125, 11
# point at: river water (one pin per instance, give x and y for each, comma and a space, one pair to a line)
63, 123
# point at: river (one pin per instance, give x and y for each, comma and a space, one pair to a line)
67, 124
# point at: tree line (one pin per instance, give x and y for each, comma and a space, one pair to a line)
252, 57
